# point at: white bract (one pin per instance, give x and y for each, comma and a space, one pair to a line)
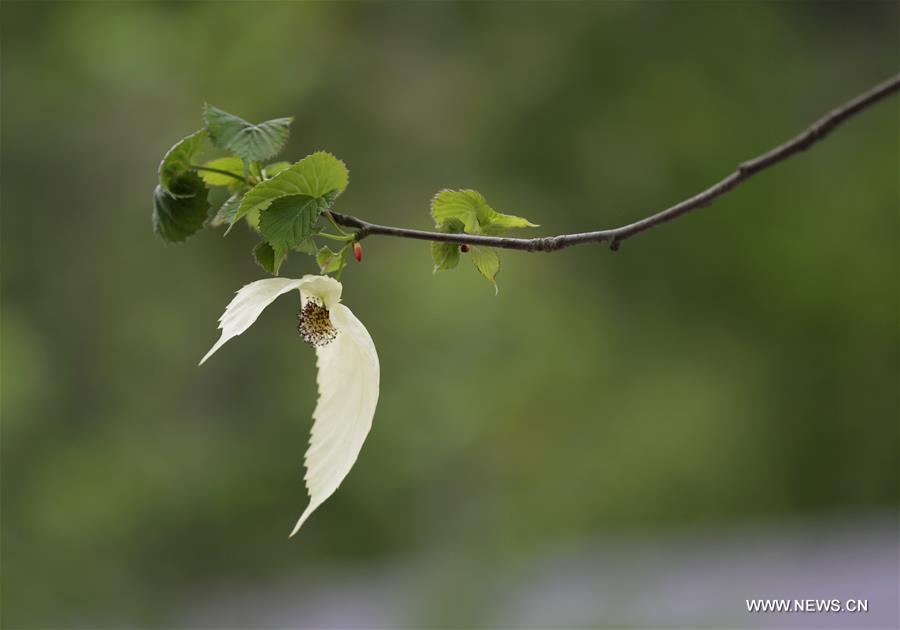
348, 373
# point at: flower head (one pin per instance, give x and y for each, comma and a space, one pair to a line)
314, 324
348, 378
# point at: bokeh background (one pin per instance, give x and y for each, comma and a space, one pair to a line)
641, 438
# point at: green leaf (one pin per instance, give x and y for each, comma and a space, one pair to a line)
288, 221
274, 168
176, 217
329, 261
251, 142
468, 211
487, 263
226, 212
178, 160
307, 245
461, 205
471, 209
500, 222
320, 175
445, 255
265, 256
252, 219
230, 164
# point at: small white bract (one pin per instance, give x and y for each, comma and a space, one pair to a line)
348, 374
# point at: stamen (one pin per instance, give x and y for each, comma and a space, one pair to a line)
314, 324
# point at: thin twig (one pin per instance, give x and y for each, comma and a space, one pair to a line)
815, 133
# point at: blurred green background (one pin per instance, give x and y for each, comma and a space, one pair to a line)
735, 368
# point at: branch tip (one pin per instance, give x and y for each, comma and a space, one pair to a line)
745, 170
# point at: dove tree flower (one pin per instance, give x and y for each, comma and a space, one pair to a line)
291, 207
348, 377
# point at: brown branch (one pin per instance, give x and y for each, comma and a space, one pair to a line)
815, 133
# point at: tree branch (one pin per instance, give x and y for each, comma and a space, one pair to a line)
815, 133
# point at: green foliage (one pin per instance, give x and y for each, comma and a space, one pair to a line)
320, 175
281, 201
252, 219
445, 255
306, 246
330, 261
226, 213
177, 216
264, 256
178, 160
456, 211
499, 223
487, 263
288, 221
271, 170
472, 210
248, 141
284, 201
180, 205
229, 164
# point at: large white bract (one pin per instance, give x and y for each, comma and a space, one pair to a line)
348, 376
